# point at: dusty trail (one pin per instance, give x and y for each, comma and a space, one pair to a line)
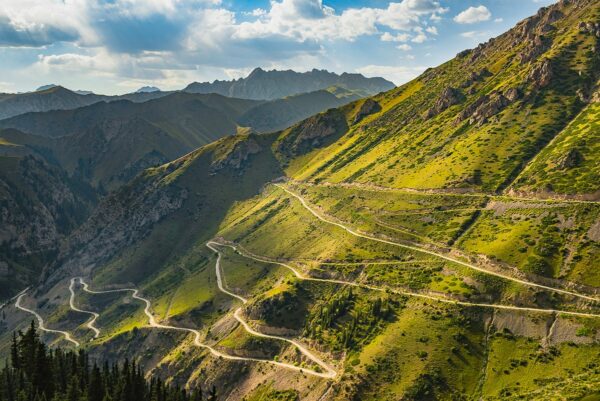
330, 372
95, 316
41, 320
429, 252
377, 188
13, 298
301, 276
197, 335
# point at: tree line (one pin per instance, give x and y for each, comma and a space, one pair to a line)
37, 373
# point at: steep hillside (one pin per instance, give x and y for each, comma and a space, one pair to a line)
404, 246
39, 205
269, 85
107, 144
569, 164
476, 121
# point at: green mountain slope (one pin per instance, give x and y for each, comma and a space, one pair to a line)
474, 122
401, 239
569, 164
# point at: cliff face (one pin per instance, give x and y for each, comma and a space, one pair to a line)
39, 206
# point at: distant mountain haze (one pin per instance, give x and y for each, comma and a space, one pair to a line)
259, 85
269, 85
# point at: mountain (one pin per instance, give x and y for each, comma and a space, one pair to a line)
39, 205
281, 113
144, 89
57, 164
436, 241
107, 144
51, 97
269, 85
46, 87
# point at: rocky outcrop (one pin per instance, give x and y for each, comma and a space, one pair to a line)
449, 97
572, 158
512, 94
591, 28
541, 74
237, 155
122, 219
312, 133
536, 46
487, 106
368, 107
476, 76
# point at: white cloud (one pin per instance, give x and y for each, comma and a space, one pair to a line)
236, 73
475, 35
311, 20
257, 12
401, 37
420, 37
473, 14
397, 74
167, 39
499, 20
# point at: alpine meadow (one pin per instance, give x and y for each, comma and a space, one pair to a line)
349, 221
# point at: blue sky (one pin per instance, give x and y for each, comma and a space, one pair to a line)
116, 46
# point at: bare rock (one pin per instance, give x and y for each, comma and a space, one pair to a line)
541, 74
595, 98
512, 94
369, 107
536, 46
237, 155
552, 16
493, 106
449, 97
313, 132
476, 76
572, 158
487, 106
589, 27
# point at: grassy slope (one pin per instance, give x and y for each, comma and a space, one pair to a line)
422, 348
398, 147
583, 135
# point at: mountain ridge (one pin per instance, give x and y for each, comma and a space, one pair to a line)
269, 85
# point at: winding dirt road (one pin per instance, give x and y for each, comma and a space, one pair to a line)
95, 316
301, 276
429, 252
197, 335
40, 320
331, 373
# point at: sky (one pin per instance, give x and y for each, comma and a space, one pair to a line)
117, 46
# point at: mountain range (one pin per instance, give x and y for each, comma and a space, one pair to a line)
259, 85
269, 85
436, 241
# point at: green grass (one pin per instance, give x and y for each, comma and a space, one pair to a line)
546, 174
